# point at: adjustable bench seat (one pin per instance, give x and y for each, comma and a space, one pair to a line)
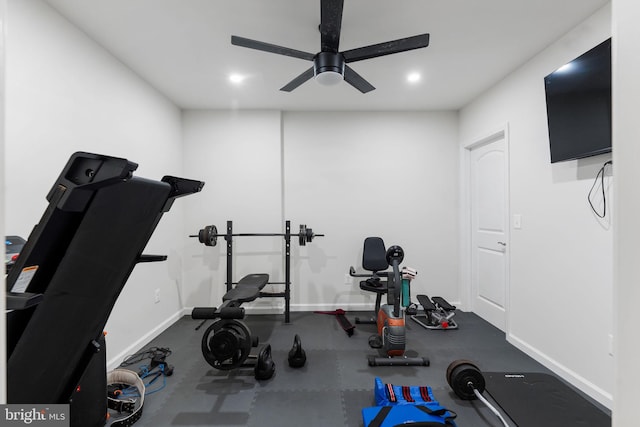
247, 289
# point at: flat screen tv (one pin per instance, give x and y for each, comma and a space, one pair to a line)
578, 98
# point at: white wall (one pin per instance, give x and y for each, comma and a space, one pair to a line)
561, 262
346, 175
3, 354
63, 94
354, 175
626, 134
237, 154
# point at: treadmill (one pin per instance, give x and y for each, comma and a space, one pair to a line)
68, 276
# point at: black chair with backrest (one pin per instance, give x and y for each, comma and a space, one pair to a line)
374, 260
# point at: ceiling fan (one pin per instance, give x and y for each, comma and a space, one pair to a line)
330, 65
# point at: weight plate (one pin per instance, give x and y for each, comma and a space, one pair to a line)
210, 235
302, 236
454, 365
463, 376
214, 235
226, 344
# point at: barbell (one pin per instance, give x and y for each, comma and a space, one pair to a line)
209, 235
468, 383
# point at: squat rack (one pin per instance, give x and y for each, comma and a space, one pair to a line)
208, 236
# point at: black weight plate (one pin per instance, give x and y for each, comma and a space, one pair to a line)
213, 237
226, 344
454, 365
460, 374
302, 236
210, 235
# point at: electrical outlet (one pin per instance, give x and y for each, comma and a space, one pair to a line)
156, 297
348, 280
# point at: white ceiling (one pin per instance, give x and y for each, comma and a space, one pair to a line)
183, 48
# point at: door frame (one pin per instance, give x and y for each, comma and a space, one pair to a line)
466, 237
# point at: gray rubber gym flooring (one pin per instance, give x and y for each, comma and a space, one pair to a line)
335, 383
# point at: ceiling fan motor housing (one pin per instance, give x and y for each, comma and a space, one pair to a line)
329, 62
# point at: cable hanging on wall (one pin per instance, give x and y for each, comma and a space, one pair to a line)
600, 175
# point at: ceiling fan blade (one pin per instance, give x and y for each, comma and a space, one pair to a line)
272, 48
330, 24
387, 48
356, 80
298, 80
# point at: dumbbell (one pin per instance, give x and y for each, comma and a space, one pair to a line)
468, 383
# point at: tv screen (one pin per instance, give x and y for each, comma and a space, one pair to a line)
578, 98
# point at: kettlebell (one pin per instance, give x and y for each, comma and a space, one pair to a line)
265, 368
297, 356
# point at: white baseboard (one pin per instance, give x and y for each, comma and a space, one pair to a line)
144, 340
332, 306
278, 309
567, 374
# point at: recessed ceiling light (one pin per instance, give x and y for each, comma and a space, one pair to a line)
236, 78
413, 77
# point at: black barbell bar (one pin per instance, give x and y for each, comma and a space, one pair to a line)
209, 235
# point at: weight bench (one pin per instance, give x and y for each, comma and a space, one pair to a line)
246, 290
227, 343
438, 313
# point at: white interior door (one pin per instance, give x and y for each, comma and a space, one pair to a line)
488, 191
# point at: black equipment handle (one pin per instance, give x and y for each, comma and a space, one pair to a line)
151, 258
22, 300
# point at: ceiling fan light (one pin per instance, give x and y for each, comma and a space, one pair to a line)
329, 78
328, 68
